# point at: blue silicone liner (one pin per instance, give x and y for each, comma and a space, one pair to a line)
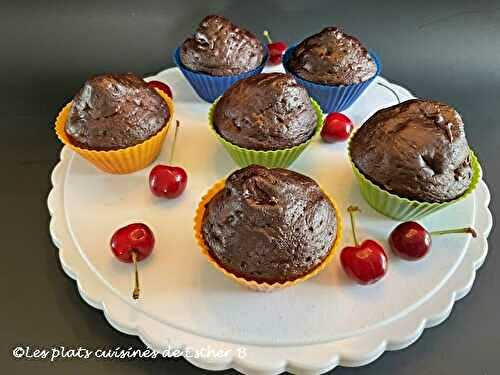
333, 98
209, 87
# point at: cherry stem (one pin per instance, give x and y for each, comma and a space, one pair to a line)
135, 293
268, 37
468, 230
352, 210
175, 140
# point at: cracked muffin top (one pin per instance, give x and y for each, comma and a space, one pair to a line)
332, 57
269, 225
114, 111
220, 48
416, 149
268, 111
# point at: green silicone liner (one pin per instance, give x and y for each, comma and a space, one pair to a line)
271, 159
403, 209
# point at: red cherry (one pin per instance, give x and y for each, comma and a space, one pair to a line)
161, 86
411, 241
131, 244
166, 181
276, 50
337, 127
134, 238
365, 263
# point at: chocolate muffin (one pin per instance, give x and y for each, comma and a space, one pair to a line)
220, 48
269, 111
416, 150
332, 58
269, 225
114, 111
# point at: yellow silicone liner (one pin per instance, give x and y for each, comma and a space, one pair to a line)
121, 161
251, 284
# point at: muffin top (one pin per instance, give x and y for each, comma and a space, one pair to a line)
220, 48
416, 149
333, 58
268, 111
113, 111
269, 225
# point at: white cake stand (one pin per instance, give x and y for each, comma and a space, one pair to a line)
185, 303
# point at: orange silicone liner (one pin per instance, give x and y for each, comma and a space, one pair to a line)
124, 160
251, 284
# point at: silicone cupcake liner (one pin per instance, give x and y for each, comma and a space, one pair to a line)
119, 161
271, 159
404, 209
210, 87
251, 284
333, 98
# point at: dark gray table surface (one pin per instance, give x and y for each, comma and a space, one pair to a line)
445, 50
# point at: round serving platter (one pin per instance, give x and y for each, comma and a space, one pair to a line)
186, 303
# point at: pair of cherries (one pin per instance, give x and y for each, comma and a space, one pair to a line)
135, 242
366, 263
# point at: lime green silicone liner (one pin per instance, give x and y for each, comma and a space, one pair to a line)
403, 209
271, 159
